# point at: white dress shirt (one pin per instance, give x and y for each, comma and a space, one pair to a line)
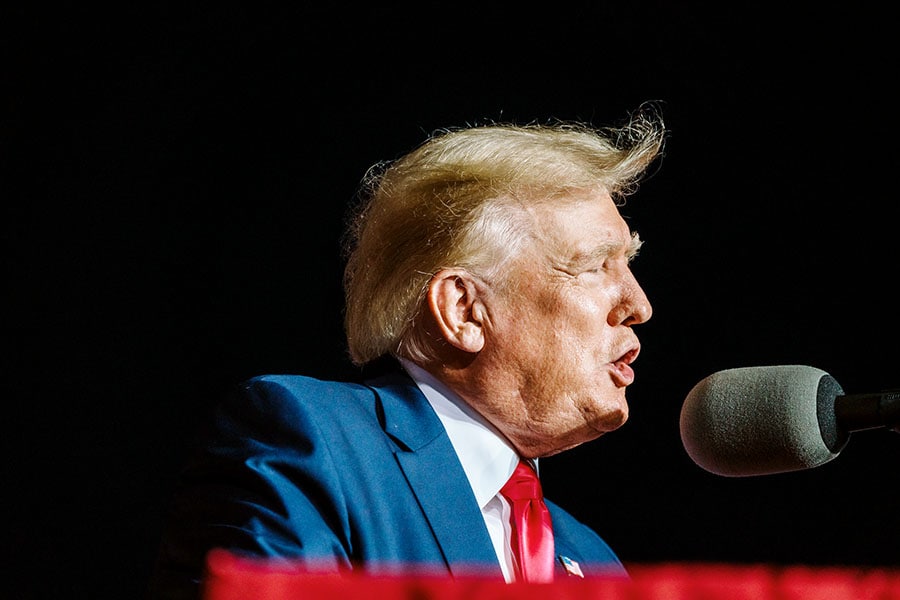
486, 457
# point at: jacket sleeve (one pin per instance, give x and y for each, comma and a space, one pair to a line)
263, 483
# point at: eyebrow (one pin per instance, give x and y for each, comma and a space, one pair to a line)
604, 250
608, 248
635, 246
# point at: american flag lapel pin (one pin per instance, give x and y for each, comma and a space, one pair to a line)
571, 566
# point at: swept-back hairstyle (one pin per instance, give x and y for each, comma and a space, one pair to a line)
457, 201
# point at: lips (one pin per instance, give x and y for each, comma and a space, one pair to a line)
620, 369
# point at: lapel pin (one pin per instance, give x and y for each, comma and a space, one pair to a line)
571, 566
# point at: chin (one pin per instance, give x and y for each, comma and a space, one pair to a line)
617, 420
612, 415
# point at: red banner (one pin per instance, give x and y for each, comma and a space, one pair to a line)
234, 578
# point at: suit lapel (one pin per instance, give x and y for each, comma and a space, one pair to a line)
436, 477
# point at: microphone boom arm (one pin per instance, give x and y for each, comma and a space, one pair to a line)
856, 412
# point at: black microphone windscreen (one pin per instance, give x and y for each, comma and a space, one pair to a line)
762, 420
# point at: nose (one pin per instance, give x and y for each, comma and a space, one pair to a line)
633, 307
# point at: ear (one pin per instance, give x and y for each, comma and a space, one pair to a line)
457, 309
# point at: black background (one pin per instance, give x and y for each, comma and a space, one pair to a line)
175, 180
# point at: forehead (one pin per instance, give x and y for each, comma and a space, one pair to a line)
582, 224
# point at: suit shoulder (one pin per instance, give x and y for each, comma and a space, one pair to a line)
303, 384
300, 394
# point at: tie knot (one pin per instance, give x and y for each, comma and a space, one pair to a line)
523, 484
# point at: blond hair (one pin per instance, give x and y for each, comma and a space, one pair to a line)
455, 201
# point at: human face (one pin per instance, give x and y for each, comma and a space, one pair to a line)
561, 339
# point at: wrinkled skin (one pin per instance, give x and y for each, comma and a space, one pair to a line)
547, 361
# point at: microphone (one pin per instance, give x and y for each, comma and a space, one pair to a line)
775, 419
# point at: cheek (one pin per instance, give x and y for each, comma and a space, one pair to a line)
554, 331
580, 321
545, 335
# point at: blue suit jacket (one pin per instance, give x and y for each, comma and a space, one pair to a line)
339, 476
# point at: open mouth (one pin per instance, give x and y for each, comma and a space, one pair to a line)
621, 370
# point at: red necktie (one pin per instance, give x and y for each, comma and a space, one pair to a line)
532, 532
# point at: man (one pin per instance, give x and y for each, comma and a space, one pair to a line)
489, 270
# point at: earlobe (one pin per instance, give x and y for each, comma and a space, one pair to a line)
456, 308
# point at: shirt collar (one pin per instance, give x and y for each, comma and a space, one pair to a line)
485, 455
